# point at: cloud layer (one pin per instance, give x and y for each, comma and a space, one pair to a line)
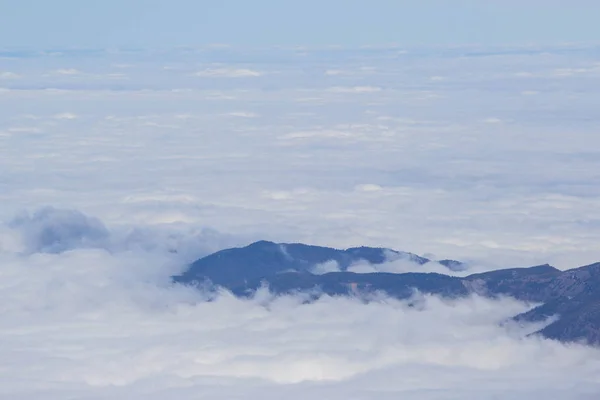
119, 167
494, 162
86, 319
91, 324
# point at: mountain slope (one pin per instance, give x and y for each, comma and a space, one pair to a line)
574, 296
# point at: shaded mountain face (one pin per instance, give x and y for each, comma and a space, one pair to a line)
265, 260
573, 296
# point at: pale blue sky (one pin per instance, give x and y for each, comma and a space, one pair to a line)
44, 23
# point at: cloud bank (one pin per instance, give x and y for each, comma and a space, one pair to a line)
229, 73
496, 162
87, 323
85, 319
435, 176
51, 230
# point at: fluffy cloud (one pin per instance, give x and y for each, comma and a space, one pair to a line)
50, 230
326, 267
91, 324
53, 230
450, 183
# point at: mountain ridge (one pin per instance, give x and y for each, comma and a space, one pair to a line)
573, 296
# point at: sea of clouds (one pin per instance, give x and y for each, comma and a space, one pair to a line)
94, 323
118, 168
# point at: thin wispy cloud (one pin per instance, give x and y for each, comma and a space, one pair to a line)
65, 115
355, 89
68, 71
243, 114
228, 73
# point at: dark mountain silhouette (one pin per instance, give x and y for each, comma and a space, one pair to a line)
572, 297
257, 261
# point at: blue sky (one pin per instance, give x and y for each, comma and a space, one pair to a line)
46, 23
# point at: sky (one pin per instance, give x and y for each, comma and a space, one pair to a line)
151, 23
124, 157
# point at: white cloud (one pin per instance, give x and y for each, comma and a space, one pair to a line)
369, 187
9, 75
229, 73
451, 186
318, 135
409, 169
493, 120
524, 74
68, 71
110, 325
122, 65
65, 115
355, 89
54, 231
325, 268
24, 129
243, 114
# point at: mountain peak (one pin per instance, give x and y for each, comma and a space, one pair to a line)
262, 244
264, 258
